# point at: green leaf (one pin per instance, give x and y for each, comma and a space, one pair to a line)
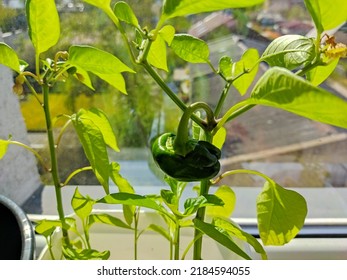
94, 145
125, 13
101, 121
171, 201
3, 147
82, 205
47, 227
102, 4
227, 195
281, 214
103, 64
167, 33
282, 89
159, 229
248, 63
213, 232
176, 187
175, 8
236, 231
191, 205
190, 48
83, 77
123, 186
122, 183
289, 51
327, 15
107, 219
8, 57
219, 138
44, 24
71, 253
130, 199
157, 53
319, 74
225, 66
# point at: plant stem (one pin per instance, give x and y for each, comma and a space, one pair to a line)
182, 134
36, 154
54, 162
177, 241
222, 99
200, 215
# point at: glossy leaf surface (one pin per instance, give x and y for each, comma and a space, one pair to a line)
289, 51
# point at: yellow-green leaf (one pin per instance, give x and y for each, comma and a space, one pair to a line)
44, 24
247, 63
8, 57
175, 8
3, 147
227, 195
190, 48
281, 214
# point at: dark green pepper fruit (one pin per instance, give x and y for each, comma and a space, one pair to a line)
200, 162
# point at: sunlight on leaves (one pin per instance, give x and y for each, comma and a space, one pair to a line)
282, 89
235, 230
103, 64
44, 24
320, 73
3, 147
213, 232
190, 48
289, 51
327, 15
227, 195
281, 214
219, 138
82, 205
125, 13
175, 8
8, 57
246, 63
94, 146
104, 218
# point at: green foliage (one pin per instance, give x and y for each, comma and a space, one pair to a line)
281, 213
290, 51
44, 25
274, 203
325, 15
282, 89
95, 133
9, 57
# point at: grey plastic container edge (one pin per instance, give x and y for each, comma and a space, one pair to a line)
16, 231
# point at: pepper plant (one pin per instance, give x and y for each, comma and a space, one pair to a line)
297, 65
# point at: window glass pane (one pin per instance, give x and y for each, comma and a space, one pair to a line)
294, 151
